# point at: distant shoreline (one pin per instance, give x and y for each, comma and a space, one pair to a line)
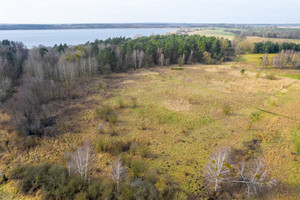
132, 25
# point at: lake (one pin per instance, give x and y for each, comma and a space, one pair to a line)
33, 38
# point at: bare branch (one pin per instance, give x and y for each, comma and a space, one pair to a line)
255, 177
218, 169
118, 172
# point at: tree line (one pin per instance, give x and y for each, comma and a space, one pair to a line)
285, 59
288, 33
270, 47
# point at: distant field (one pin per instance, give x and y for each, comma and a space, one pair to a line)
216, 32
213, 32
220, 32
279, 40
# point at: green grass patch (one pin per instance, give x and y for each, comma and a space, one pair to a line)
296, 141
254, 58
177, 68
294, 76
240, 59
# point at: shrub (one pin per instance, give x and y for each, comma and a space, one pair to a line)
227, 110
113, 132
112, 118
136, 167
270, 76
51, 178
105, 143
55, 183
257, 74
297, 143
121, 102
105, 113
102, 143
180, 60
133, 148
177, 68
243, 71
100, 128
119, 146
144, 151
134, 103
255, 117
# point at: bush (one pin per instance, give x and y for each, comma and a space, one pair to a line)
119, 146
105, 143
297, 143
243, 71
55, 183
134, 103
270, 76
105, 113
136, 167
177, 68
144, 151
51, 178
255, 117
112, 118
227, 110
121, 102
180, 60
102, 143
257, 74
133, 148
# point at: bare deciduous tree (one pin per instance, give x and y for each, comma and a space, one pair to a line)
118, 172
80, 161
218, 169
134, 58
265, 60
160, 57
255, 177
140, 57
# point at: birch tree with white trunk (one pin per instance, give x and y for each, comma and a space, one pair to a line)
218, 170
80, 161
255, 177
118, 172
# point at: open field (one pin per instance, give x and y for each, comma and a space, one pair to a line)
217, 32
220, 32
179, 116
254, 59
279, 40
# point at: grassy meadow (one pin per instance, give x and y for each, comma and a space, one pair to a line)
178, 118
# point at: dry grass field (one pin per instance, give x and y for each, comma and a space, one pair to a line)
179, 117
279, 40
219, 32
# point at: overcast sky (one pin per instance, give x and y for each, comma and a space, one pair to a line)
125, 11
